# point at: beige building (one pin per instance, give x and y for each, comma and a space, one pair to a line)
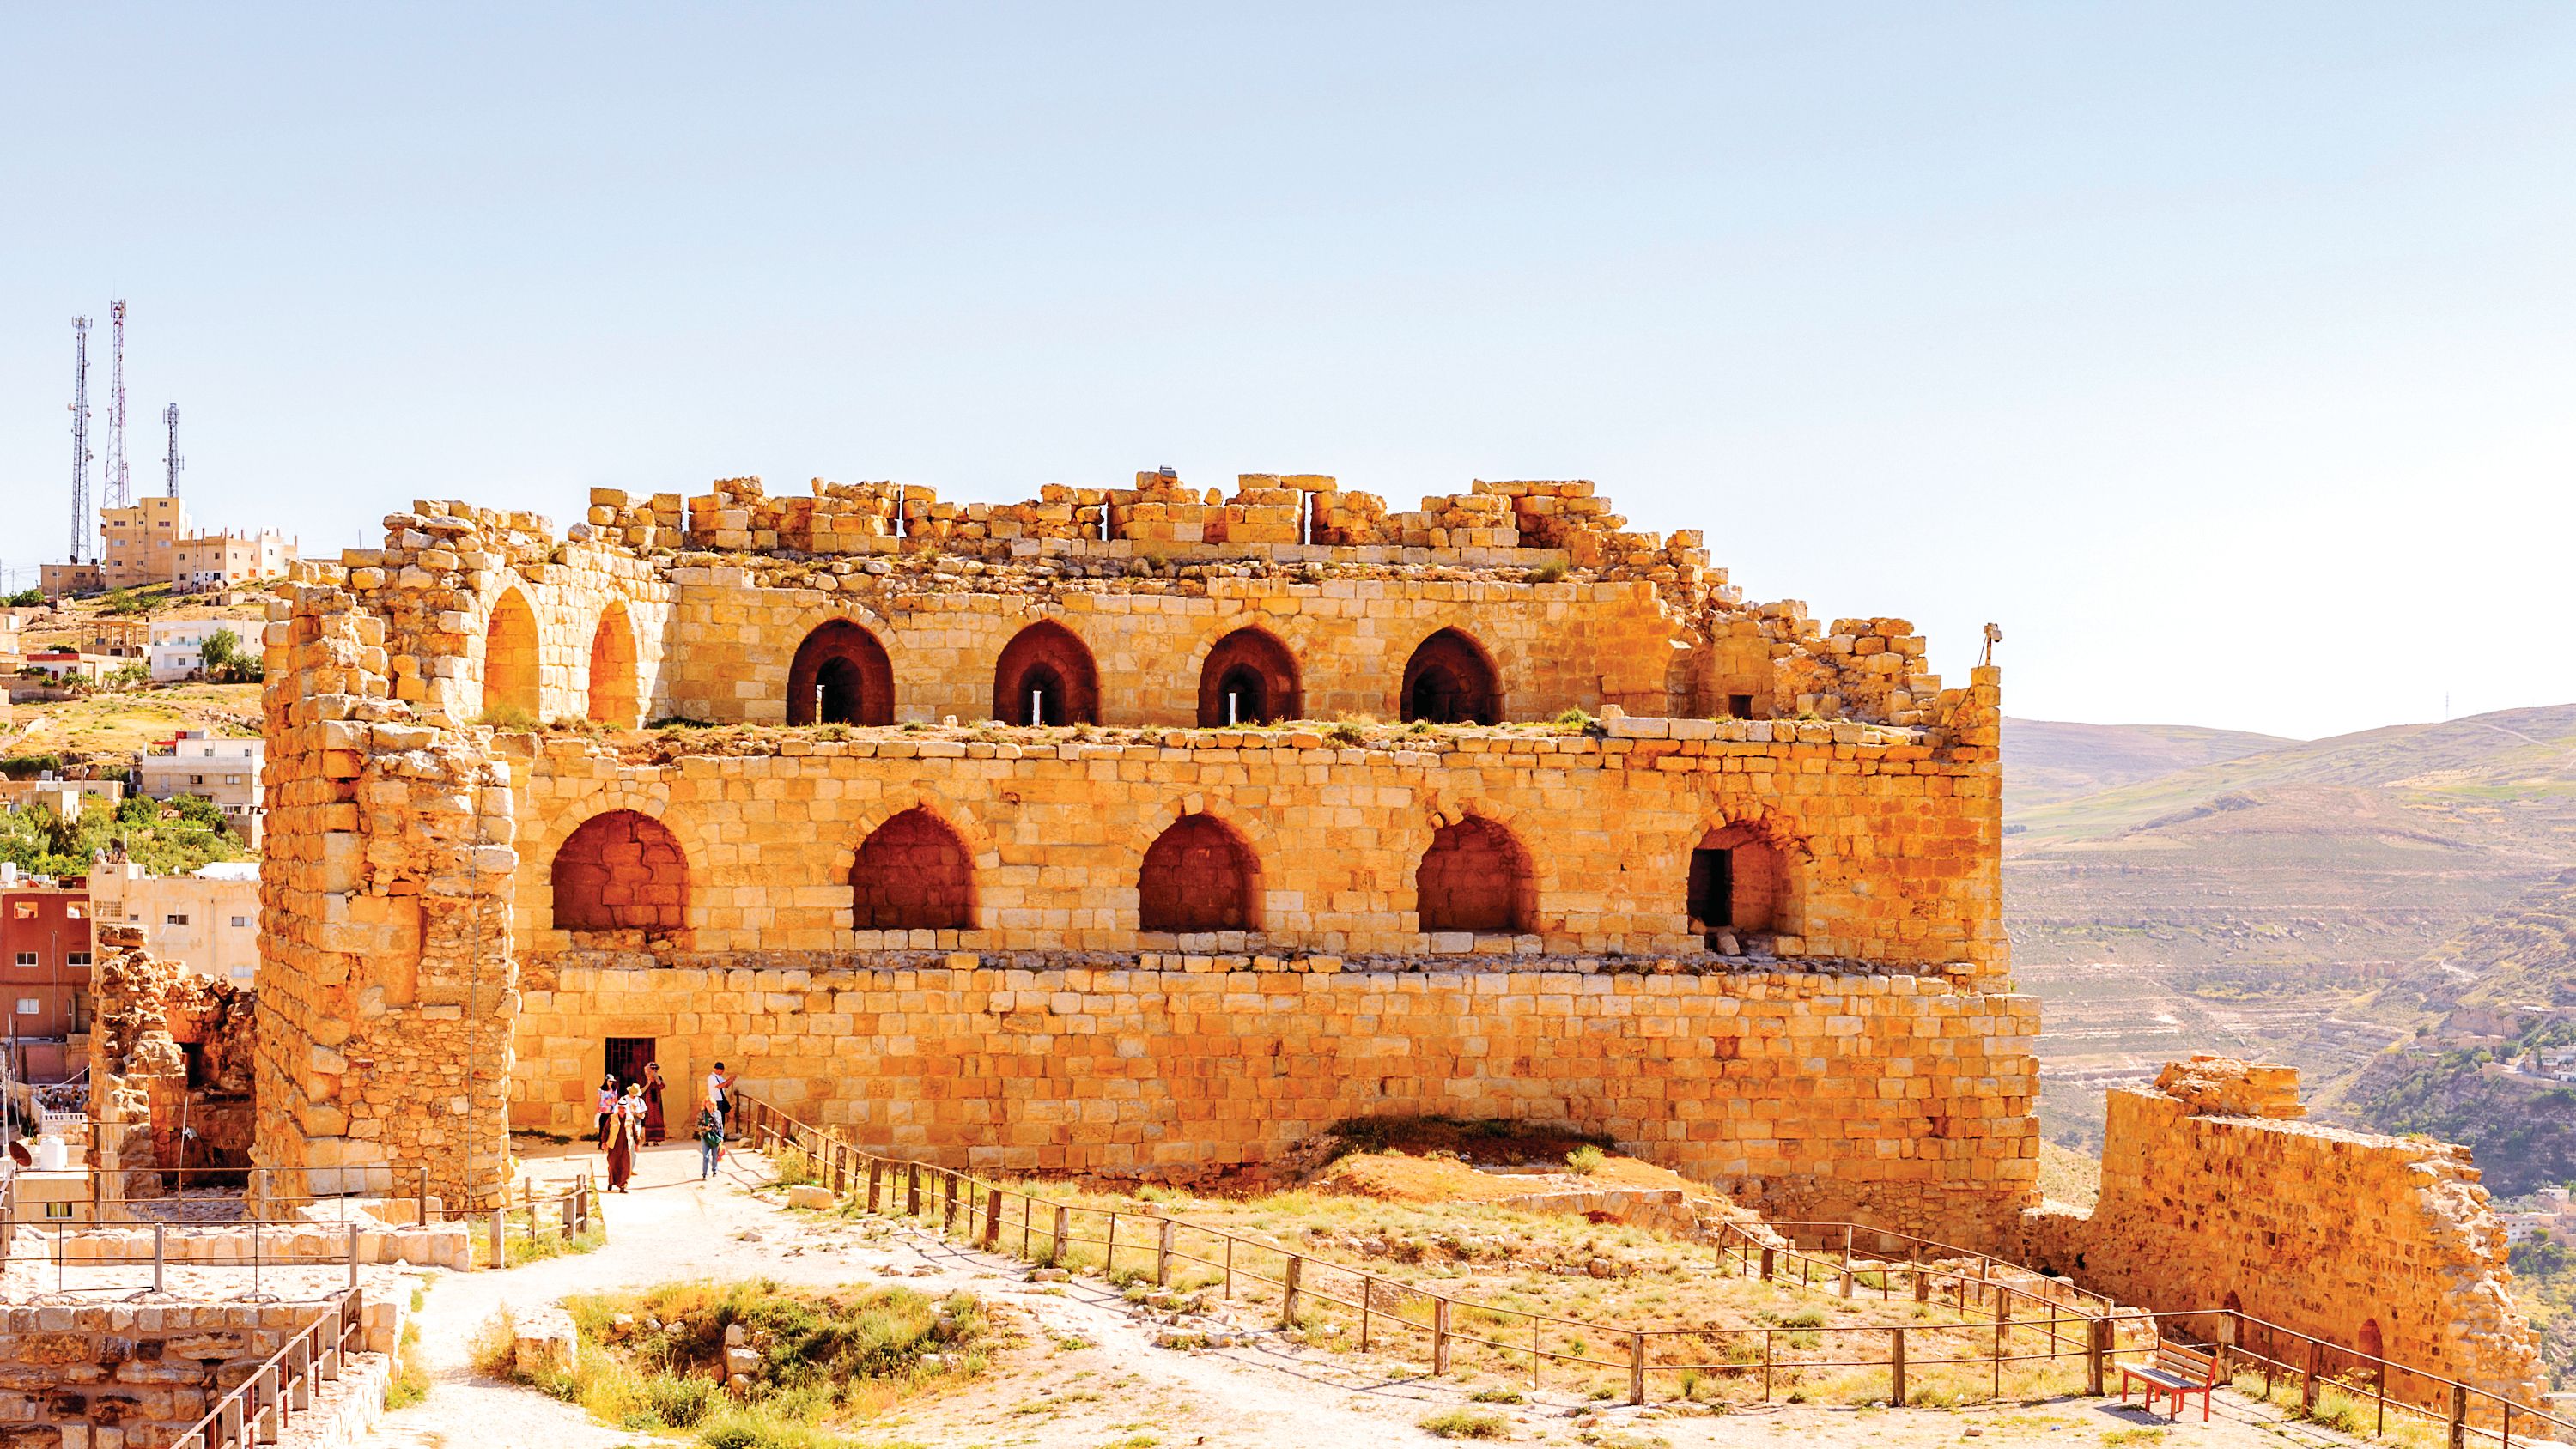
66, 798
227, 560
208, 921
225, 771
154, 542
58, 579
142, 541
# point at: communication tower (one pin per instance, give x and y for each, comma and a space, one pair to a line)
116, 489
171, 460
80, 436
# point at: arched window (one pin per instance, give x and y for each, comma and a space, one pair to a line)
1199, 876
840, 676
1739, 880
510, 660
613, 685
1249, 678
1450, 681
913, 874
621, 871
2372, 1350
1045, 677
1475, 877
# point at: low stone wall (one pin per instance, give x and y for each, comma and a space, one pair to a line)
439, 1245
1892, 1099
131, 1376
2214, 1196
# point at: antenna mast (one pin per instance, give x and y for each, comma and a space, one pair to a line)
170, 420
80, 435
116, 489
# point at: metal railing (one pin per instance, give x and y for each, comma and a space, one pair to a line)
161, 1259
575, 1211
258, 1410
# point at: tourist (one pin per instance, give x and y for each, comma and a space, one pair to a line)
607, 1105
710, 1141
655, 1130
618, 1140
720, 1096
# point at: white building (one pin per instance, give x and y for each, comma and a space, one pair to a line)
225, 771
208, 921
178, 644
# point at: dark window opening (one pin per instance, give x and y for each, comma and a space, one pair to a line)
1712, 887
1739, 706
1240, 693
1448, 681
626, 1058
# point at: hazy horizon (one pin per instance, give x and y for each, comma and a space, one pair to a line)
2218, 354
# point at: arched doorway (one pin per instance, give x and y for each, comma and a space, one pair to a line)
1198, 876
840, 675
1475, 877
1045, 677
510, 662
913, 873
621, 871
1450, 681
1739, 881
613, 685
1249, 678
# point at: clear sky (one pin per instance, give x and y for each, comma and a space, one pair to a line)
2225, 355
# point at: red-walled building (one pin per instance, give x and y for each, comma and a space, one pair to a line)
44, 973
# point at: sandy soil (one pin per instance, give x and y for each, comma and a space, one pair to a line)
1083, 1370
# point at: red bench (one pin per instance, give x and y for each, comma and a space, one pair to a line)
2177, 1374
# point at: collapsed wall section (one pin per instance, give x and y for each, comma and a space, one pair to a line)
1895, 1100
2214, 1196
171, 1061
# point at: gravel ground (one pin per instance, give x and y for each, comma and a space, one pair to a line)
1083, 1370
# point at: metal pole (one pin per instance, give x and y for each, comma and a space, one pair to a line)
160, 1255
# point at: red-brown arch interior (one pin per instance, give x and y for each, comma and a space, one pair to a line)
1045, 676
510, 658
1739, 879
1199, 876
1450, 681
1475, 877
613, 683
621, 871
1249, 678
913, 873
840, 675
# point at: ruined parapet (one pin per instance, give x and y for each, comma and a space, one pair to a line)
170, 1069
386, 976
2215, 1196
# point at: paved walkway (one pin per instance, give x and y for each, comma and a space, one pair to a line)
1081, 1371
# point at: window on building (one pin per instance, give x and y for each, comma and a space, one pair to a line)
29, 1006
77, 958
196, 779
241, 923
24, 910
75, 911
26, 958
174, 920
58, 1210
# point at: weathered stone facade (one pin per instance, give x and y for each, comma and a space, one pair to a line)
2215, 1196
171, 1063
1126, 937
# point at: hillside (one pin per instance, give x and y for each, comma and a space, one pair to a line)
2311, 900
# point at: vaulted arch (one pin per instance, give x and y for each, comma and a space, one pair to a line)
1451, 680
621, 871
913, 873
840, 675
1045, 677
1475, 877
510, 659
1249, 678
1199, 875
613, 683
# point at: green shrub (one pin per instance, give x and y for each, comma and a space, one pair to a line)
1466, 1424
1586, 1159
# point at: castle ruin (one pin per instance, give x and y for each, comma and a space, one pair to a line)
1132, 832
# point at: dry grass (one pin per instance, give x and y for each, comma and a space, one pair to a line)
125, 722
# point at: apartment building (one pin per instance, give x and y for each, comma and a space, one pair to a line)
44, 973
225, 771
207, 921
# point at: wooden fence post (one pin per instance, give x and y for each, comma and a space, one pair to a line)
876, 1180
2097, 1345
2003, 1325
2308, 1381
912, 1190
500, 1240
1288, 1294
1063, 1234
1163, 1255
992, 1219
948, 1203
1769, 1262
1440, 1341
2459, 1415
1637, 1366
1896, 1368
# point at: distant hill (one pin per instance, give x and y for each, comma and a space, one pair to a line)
2052, 760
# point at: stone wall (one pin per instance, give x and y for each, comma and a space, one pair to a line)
1898, 1099
131, 1376
171, 1062
2214, 1195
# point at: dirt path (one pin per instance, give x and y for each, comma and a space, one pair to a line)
1085, 1373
